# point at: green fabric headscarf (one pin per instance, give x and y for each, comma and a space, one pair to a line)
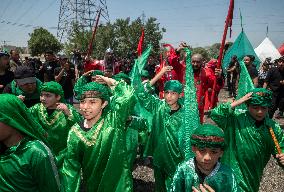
102, 91
53, 87
14, 113
261, 97
173, 85
208, 136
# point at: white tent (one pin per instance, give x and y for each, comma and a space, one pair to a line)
267, 49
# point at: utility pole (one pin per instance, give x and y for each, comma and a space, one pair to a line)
81, 13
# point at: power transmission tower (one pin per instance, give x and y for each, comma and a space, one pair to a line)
80, 12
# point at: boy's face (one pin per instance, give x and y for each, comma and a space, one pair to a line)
49, 100
258, 112
5, 131
92, 107
207, 158
171, 97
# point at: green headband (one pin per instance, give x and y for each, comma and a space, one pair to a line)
261, 97
94, 90
173, 85
53, 87
208, 136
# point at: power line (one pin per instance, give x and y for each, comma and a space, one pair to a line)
5, 10
24, 25
79, 12
26, 12
43, 11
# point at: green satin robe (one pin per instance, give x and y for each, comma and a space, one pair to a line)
57, 125
101, 151
220, 179
249, 148
165, 139
136, 134
28, 167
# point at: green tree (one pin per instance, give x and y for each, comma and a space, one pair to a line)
213, 50
201, 51
42, 40
122, 37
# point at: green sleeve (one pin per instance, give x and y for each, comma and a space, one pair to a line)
123, 101
178, 183
34, 110
83, 80
70, 172
149, 101
44, 170
221, 114
140, 125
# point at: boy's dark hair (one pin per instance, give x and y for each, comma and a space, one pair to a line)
24, 72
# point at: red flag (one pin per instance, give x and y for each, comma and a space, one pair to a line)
229, 21
139, 47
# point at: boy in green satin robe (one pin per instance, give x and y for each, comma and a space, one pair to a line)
204, 171
165, 138
55, 116
97, 145
26, 162
248, 138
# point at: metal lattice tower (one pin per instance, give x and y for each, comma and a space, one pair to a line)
81, 12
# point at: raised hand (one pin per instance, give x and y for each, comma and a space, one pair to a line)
241, 100
280, 158
106, 80
63, 107
203, 188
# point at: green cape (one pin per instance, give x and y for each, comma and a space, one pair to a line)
14, 113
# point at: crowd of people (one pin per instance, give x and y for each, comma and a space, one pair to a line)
46, 144
270, 75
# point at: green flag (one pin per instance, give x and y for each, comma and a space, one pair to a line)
191, 117
245, 84
139, 65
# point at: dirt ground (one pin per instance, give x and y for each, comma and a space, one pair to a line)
272, 180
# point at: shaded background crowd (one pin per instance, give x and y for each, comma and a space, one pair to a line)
66, 70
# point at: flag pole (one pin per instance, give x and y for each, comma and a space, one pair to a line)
94, 33
228, 23
275, 140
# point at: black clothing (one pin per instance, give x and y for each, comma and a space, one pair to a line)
252, 71
48, 69
66, 81
273, 78
5, 79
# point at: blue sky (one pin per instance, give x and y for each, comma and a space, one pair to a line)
199, 23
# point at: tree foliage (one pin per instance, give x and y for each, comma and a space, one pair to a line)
42, 40
122, 37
